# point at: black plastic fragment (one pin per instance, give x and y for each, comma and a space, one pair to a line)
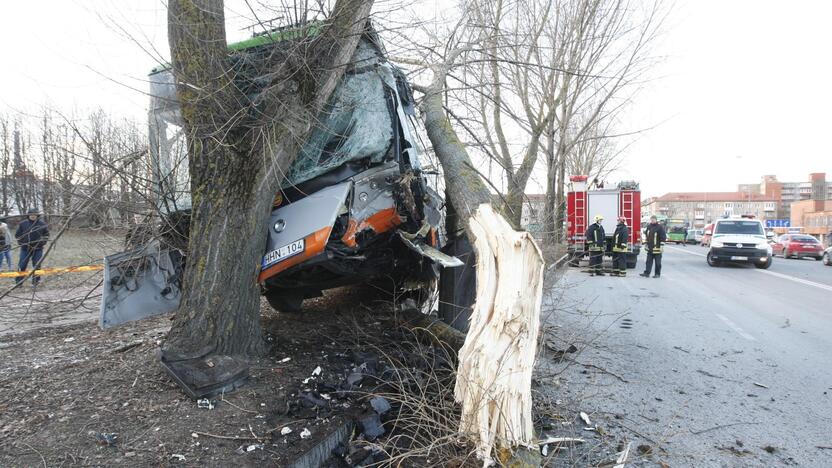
206, 376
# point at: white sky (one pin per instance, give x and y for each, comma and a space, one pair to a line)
744, 89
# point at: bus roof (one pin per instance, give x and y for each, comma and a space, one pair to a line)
287, 33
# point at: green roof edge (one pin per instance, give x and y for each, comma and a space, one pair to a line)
310, 29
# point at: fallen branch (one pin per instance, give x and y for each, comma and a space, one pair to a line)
238, 407
215, 436
721, 426
127, 347
593, 366
432, 328
558, 440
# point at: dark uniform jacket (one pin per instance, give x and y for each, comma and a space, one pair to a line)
32, 234
655, 237
595, 236
620, 238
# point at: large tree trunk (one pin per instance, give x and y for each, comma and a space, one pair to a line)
236, 163
496, 361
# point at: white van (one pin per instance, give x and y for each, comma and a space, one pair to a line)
739, 240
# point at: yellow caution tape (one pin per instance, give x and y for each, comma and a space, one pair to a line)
51, 271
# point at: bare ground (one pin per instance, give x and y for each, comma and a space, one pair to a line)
77, 395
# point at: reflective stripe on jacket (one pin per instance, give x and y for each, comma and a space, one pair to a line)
655, 238
596, 237
620, 238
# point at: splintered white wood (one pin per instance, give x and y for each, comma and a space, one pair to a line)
496, 361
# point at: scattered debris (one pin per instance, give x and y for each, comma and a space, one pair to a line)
69, 340
317, 371
559, 440
286, 359
681, 349
305, 433
380, 405
371, 425
286, 430
585, 418
559, 353
644, 449
105, 438
621, 460
178, 457
769, 449
706, 373
739, 452
760, 385
127, 347
205, 403
354, 379
721, 426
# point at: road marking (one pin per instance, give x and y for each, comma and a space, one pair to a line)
772, 273
734, 326
798, 280
686, 251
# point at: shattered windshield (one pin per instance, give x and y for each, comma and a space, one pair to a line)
357, 124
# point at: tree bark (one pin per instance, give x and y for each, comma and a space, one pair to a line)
236, 164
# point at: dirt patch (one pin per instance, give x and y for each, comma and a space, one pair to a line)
75, 394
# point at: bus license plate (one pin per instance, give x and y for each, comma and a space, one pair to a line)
284, 252
739, 258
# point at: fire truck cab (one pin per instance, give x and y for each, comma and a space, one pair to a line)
583, 203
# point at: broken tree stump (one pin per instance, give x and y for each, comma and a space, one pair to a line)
493, 381
496, 361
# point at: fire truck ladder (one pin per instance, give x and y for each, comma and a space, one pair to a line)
627, 211
580, 214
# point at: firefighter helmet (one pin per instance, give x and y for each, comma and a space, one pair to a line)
598, 218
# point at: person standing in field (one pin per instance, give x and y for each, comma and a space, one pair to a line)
5, 245
31, 235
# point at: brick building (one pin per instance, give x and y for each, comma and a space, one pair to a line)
813, 217
787, 193
701, 208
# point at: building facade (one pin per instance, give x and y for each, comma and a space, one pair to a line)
813, 217
701, 208
787, 193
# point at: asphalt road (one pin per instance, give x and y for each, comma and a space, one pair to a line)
728, 366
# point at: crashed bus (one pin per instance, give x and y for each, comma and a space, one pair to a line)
355, 206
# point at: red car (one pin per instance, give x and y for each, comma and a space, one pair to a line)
798, 245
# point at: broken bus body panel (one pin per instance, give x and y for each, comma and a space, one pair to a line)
355, 204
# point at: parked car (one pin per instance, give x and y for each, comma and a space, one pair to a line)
798, 246
694, 236
827, 256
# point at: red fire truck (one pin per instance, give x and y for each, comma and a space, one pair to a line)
583, 203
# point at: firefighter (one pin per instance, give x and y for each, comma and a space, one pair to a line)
596, 241
655, 239
619, 248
